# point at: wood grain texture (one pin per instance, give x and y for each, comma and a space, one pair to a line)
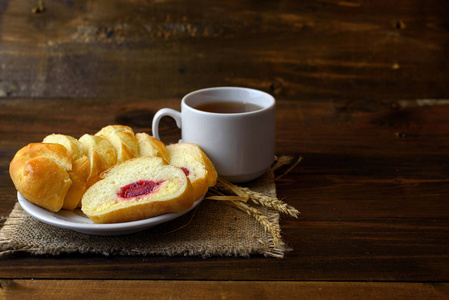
297, 50
372, 190
362, 96
106, 289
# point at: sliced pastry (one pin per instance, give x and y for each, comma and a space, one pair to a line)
80, 168
150, 146
123, 140
137, 189
196, 165
100, 153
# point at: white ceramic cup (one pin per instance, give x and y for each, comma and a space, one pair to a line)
240, 145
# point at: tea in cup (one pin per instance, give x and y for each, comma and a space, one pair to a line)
234, 126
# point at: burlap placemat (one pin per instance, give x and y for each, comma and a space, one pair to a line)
214, 228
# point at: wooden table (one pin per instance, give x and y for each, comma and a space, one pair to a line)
360, 89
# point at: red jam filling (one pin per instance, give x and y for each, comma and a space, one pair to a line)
138, 188
186, 171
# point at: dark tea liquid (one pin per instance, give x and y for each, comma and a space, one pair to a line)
228, 107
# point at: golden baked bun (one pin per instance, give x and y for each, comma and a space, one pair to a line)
79, 176
73, 146
123, 140
150, 146
137, 189
39, 172
80, 168
100, 153
196, 165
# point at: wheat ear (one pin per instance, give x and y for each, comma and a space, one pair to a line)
271, 202
262, 219
256, 197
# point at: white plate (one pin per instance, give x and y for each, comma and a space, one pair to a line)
77, 221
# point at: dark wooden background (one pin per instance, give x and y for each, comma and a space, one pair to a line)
362, 94
297, 50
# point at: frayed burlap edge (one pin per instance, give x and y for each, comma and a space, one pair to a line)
281, 248
9, 246
11, 225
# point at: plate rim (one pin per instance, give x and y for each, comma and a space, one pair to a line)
48, 217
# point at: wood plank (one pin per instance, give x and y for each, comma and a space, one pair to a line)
356, 127
374, 204
362, 97
331, 250
161, 49
117, 289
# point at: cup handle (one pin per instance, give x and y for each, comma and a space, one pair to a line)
176, 115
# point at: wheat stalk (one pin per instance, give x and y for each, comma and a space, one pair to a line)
256, 214
238, 196
271, 202
284, 160
243, 194
262, 219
